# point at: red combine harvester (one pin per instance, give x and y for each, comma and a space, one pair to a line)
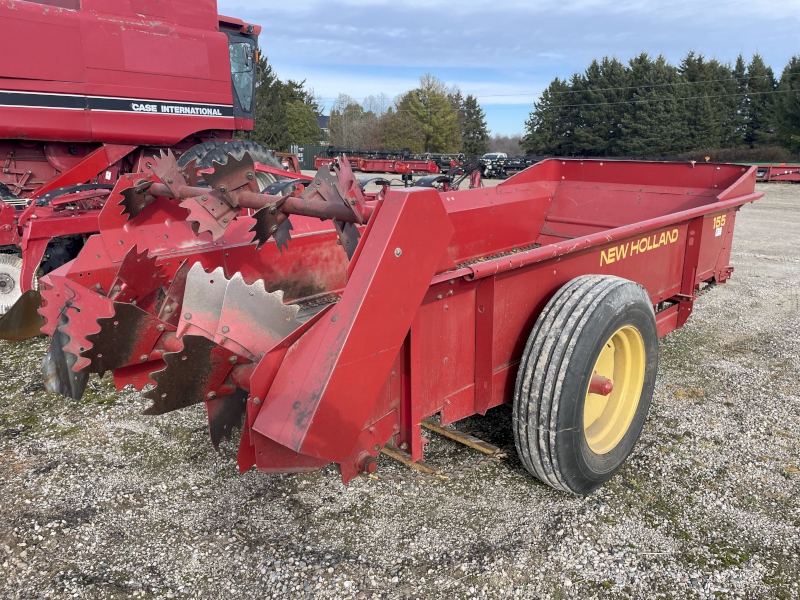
89, 90
373, 312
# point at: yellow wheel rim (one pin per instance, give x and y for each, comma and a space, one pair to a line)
606, 418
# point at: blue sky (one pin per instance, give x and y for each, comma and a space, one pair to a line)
505, 53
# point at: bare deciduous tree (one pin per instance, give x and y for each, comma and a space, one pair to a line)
510, 144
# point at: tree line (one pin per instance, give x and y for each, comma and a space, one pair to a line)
429, 118
650, 108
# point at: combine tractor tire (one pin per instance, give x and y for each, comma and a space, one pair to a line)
218, 150
585, 382
10, 273
60, 251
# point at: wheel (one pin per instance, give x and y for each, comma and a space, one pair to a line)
585, 382
218, 150
10, 273
59, 252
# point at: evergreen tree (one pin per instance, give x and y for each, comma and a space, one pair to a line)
652, 125
786, 107
702, 115
474, 133
738, 116
758, 107
285, 112
269, 127
546, 129
602, 98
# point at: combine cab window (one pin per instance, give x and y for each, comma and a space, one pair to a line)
243, 72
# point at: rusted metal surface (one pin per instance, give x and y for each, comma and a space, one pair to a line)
192, 375
125, 338
58, 366
461, 437
224, 415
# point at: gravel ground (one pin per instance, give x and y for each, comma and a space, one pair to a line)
99, 501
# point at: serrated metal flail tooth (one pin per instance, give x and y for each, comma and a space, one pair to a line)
202, 220
262, 229
196, 373
135, 199
203, 297
254, 318
231, 175
165, 167
191, 173
58, 366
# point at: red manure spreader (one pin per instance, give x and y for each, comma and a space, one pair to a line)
327, 322
89, 91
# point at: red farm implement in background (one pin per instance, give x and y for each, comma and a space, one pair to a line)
399, 163
372, 312
89, 91
779, 173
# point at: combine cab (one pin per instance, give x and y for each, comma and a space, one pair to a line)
326, 322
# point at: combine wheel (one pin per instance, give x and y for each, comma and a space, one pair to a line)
10, 273
217, 150
585, 382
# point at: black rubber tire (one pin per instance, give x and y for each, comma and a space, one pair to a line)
60, 251
554, 375
218, 150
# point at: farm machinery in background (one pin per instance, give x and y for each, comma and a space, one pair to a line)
442, 171
779, 173
71, 127
400, 162
327, 322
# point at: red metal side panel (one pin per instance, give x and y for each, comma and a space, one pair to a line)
45, 124
716, 246
330, 379
451, 351
580, 209
190, 13
513, 216
39, 42
447, 348
166, 130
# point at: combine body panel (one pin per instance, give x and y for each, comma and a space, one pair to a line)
118, 72
345, 334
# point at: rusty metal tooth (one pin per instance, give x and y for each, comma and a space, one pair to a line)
135, 199
231, 175
209, 214
195, 374
165, 167
191, 173
123, 339
225, 414
58, 364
